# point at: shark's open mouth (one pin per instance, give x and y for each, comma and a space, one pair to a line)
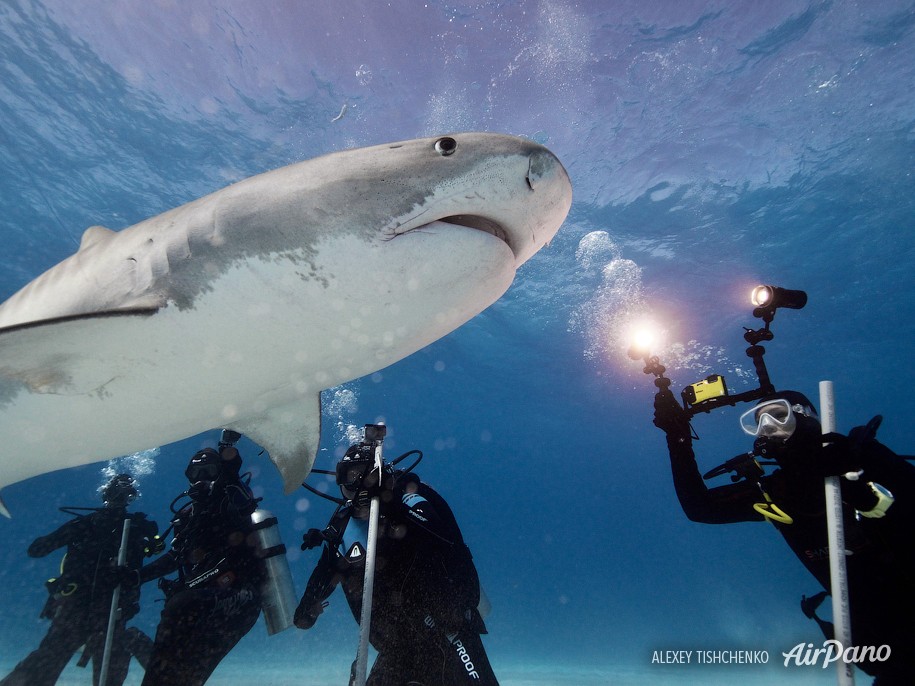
470, 221
480, 224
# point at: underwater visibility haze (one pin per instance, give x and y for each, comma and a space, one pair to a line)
712, 146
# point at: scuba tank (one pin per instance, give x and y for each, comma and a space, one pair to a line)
278, 595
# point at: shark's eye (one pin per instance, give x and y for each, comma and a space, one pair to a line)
445, 146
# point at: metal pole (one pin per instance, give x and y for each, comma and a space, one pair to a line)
113, 613
368, 586
365, 620
838, 579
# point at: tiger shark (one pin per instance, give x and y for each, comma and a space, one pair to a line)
237, 309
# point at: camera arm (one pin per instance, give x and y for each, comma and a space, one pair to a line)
768, 299
654, 366
755, 352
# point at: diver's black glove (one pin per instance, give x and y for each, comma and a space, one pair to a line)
843, 454
120, 575
669, 415
312, 539
306, 615
839, 455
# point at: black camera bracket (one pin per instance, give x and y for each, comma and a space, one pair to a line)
755, 352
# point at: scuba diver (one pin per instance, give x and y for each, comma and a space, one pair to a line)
80, 597
425, 623
216, 598
878, 510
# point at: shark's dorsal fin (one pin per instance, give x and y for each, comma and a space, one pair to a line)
93, 235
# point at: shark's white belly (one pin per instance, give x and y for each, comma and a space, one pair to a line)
259, 346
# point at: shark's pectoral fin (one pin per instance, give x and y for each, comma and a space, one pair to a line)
63, 355
291, 435
51, 371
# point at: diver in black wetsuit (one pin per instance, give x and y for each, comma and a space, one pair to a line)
80, 599
216, 597
425, 623
878, 505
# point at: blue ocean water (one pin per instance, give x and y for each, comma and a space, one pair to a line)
712, 146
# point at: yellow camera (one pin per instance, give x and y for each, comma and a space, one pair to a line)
710, 387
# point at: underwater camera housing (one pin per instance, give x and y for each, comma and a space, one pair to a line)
711, 387
356, 471
228, 438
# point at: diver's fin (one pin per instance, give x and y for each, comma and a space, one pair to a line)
291, 435
809, 605
95, 234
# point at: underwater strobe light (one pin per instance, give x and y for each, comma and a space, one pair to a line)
644, 336
767, 299
643, 339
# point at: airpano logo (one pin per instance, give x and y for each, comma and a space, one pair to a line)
804, 654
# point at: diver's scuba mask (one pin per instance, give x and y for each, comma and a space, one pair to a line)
773, 419
354, 473
205, 465
358, 476
120, 491
202, 473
